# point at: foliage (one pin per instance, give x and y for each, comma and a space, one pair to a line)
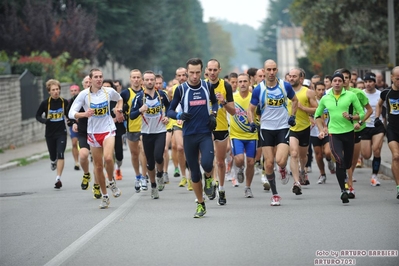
277, 16
47, 25
345, 33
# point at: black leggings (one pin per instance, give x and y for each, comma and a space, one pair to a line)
342, 146
197, 144
118, 148
56, 147
154, 145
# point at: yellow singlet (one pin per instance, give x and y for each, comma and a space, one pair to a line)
302, 117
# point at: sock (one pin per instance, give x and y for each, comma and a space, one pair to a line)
57, 178
118, 164
105, 195
160, 174
138, 177
376, 164
221, 188
328, 159
272, 181
247, 187
153, 185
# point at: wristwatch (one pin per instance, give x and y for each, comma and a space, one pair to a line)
224, 102
360, 122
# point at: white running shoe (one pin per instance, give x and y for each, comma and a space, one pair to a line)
116, 192
154, 193
284, 177
143, 183
104, 203
374, 181
322, 179
275, 200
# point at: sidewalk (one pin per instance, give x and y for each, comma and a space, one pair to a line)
30, 152
38, 150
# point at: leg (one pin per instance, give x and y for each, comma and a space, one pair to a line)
220, 154
75, 152
135, 152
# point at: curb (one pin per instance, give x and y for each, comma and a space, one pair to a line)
14, 164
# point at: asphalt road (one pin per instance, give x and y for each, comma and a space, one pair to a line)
45, 226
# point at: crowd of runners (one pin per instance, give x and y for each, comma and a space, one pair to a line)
223, 129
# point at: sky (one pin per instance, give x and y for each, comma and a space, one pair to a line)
250, 12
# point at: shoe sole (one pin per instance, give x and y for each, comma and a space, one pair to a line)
199, 216
266, 186
297, 191
345, 198
274, 204
351, 195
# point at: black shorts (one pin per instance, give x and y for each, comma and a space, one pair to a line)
273, 137
169, 130
369, 132
316, 142
220, 135
302, 136
82, 139
358, 136
392, 134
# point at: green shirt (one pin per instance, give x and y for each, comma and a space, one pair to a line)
363, 101
347, 102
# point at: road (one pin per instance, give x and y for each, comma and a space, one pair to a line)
44, 226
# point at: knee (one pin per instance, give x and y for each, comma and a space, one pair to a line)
220, 164
60, 155
108, 159
250, 163
395, 157
294, 154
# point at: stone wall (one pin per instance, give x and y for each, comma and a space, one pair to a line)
13, 130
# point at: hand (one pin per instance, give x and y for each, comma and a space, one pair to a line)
143, 108
89, 113
219, 97
119, 117
291, 121
212, 122
183, 116
165, 120
48, 121
321, 135
179, 122
252, 127
69, 123
357, 126
377, 122
75, 127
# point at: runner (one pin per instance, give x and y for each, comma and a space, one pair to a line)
100, 129
54, 110
150, 105
195, 96
271, 97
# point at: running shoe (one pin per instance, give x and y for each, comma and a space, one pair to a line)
85, 181
177, 172
116, 192
266, 185
183, 182
213, 195
96, 191
161, 184
234, 182
209, 188
322, 179
53, 165
296, 188
76, 167
351, 193
248, 193
189, 185
58, 184
302, 178
284, 177
345, 197
309, 169
200, 211
331, 166
143, 183
118, 174
104, 202
240, 175
275, 200
374, 181
306, 179
137, 185
359, 163
165, 178
154, 193
222, 197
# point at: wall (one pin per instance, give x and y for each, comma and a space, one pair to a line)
13, 130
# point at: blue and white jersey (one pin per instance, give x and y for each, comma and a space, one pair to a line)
152, 118
196, 101
273, 104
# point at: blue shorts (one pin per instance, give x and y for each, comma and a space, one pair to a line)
238, 146
73, 133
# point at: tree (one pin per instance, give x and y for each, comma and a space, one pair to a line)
30, 26
345, 33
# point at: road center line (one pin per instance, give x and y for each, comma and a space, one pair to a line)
81, 241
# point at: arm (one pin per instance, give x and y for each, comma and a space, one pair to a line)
319, 118
312, 102
175, 102
251, 113
137, 106
294, 105
378, 107
39, 113
77, 105
212, 96
229, 101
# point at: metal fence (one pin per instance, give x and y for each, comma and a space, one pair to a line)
31, 94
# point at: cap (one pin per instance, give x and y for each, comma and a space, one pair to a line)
339, 75
74, 87
369, 76
306, 82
